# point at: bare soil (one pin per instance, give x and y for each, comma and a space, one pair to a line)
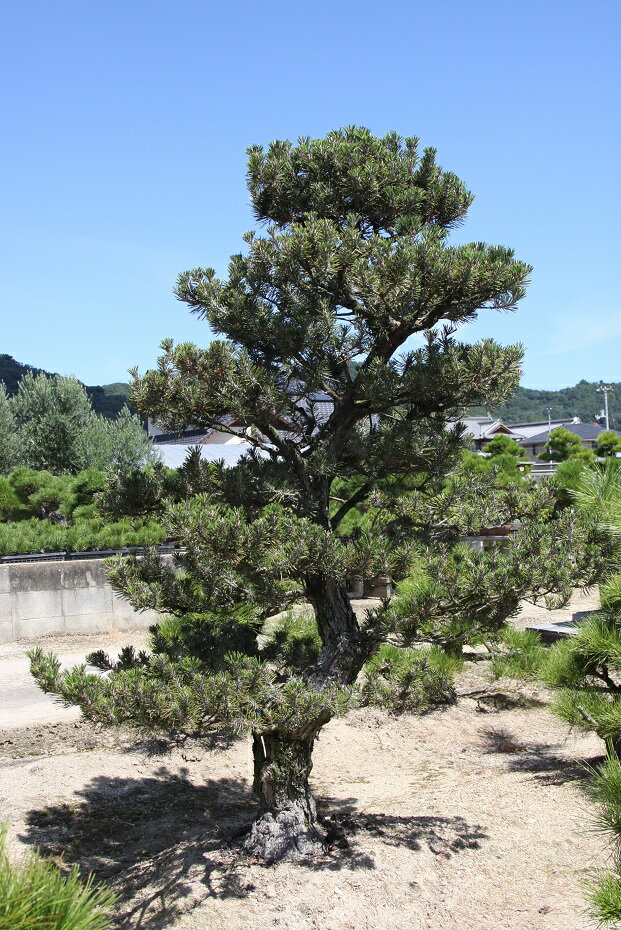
473, 817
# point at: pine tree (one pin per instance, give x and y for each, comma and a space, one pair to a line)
562, 444
585, 671
608, 443
341, 412
8, 439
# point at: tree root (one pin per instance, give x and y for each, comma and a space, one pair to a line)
284, 835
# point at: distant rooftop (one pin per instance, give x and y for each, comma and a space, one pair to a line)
587, 431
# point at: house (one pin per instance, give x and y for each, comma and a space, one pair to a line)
534, 444
214, 445
537, 426
231, 442
483, 429
227, 444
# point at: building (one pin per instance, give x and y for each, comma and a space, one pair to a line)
214, 445
484, 429
535, 443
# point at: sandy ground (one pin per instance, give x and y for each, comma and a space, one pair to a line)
473, 817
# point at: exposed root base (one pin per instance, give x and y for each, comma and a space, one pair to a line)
285, 835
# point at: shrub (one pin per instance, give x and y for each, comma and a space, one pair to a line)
605, 791
35, 895
520, 654
409, 679
9, 502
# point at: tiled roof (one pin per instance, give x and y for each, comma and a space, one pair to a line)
192, 437
487, 428
587, 431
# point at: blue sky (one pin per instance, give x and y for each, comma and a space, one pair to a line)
125, 128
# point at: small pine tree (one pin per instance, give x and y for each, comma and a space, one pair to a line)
562, 444
608, 443
605, 790
585, 669
504, 445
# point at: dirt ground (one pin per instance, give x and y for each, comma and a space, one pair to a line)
473, 817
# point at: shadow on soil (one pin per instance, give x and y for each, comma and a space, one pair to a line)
538, 759
164, 844
443, 836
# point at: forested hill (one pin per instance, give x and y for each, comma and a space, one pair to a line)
106, 399
527, 404
582, 401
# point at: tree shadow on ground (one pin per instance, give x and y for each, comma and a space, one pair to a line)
164, 844
545, 763
443, 836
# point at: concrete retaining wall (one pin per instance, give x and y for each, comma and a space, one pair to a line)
62, 597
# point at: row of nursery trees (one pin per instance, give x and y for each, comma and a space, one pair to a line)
42, 512
354, 260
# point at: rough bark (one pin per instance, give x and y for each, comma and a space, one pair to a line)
344, 647
286, 827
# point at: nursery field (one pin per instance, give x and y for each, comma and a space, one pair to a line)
472, 817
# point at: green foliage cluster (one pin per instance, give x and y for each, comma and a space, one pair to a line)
149, 489
501, 468
414, 680
517, 654
107, 400
502, 445
566, 480
49, 423
605, 791
608, 443
585, 672
36, 895
292, 641
185, 697
85, 534
562, 445
41, 512
26, 493
598, 494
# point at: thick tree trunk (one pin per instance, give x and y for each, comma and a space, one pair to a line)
345, 649
287, 824
286, 827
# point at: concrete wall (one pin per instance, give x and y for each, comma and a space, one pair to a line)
62, 597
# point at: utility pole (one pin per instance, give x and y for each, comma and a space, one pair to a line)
605, 390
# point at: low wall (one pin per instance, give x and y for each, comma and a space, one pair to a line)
37, 599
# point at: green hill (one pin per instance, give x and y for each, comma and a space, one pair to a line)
527, 404
106, 399
581, 400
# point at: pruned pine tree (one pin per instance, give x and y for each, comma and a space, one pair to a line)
316, 366
585, 671
562, 445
